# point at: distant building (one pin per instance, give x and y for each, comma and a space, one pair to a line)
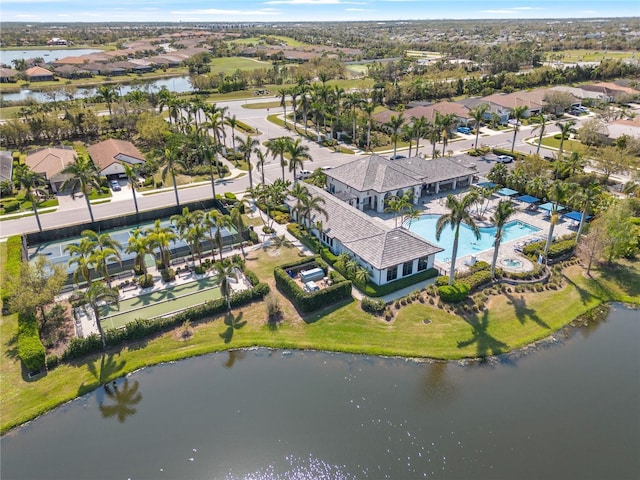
8, 75
38, 74
57, 41
6, 166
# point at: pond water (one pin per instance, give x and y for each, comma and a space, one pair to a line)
174, 84
48, 55
567, 411
425, 226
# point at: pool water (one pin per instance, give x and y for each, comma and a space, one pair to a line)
425, 226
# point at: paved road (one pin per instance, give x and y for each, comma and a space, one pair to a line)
72, 212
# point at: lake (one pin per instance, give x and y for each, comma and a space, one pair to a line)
568, 410
48, 55
174, 84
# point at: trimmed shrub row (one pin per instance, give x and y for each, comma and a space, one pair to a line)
558, 248
11, 268
30, 349
309, 302
454, 293
142, 328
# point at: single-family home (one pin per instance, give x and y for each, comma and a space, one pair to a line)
461, 112
628, 127
38, 74
50, 162
8, 75
368, 183
6, 166
387, 253
110, 156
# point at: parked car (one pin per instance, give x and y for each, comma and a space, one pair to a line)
514, 122
465, 130
397, 157
303, 175
504, 159
115, 186
326, 167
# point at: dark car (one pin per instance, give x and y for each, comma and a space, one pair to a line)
115, 186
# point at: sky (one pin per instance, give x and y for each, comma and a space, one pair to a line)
305, 10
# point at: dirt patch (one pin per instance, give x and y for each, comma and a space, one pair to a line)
59, 329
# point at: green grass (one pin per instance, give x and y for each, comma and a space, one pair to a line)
513, 320
567, 146
264, 105
588, 55
228, 65
292, 42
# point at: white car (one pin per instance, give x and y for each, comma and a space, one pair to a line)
326, 167
303, 175
504, 159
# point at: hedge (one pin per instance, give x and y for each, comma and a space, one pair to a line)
30, 349
514, 154
11, 268
558, 248
142, 328
11, 206
454, 293
246, 128
309, 302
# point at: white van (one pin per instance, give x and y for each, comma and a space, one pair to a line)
303, 175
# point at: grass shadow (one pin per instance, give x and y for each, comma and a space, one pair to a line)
524, 312
11, 347
623, 276
585, 295
486, 344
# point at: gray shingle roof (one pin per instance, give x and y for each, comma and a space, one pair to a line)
371, 240
383, 175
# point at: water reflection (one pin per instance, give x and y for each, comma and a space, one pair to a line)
438, 386
233, 356
124, 397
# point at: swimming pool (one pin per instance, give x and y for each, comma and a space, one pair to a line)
425, 226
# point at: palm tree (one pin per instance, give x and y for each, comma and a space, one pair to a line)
138, 244
394, 125
132, 176
587, 197
398, 205
557, 195
33, 183
261, 161
299, 192
298, 154
503, 213
477, 114
311, 204
210, 221
305, 103
96, 293
282, 95
433, 135
209, 154
246, 148
224, 274
565, 129
124, 398
83, 176
194, 236
232, 121
445, 123
518, 114
108, 95
80, 255
368, 108
278, 147
170, 158
105, 249
419, 130
458, 213
542, 127
184, 223
235, 218
159, 237
353, 101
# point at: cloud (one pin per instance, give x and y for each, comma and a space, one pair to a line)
312, 2
358, 10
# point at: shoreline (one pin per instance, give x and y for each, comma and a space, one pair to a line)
596, 314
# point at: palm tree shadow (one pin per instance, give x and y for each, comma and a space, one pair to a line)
523, 312
485, 343
233, 323
108, 367
585, 295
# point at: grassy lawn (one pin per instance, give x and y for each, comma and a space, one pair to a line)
264, 105
512, 320
589, 55
292, 42
567, 146
228, 65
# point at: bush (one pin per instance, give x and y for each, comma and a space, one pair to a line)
199, 270
476, 279
481, 265
146, 281
453, 293
159, 184
30, 349
168, 275
11, 206
373, 305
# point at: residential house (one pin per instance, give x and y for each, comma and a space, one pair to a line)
473, 102
429, 112
8, 75
6, 166
619, 128
38, 74
50, 162
533, 100
110, 156
387, 253
368, 183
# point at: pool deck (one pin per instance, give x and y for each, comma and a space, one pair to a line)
435, 204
